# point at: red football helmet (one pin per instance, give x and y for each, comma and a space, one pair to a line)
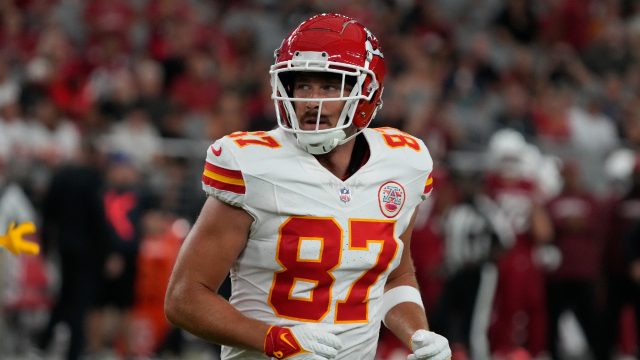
329, 43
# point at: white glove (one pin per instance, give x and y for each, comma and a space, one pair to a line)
320, 343
303, 342
429, 345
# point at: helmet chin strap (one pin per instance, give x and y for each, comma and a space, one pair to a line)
321, 143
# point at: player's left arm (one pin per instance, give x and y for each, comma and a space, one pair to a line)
404, 312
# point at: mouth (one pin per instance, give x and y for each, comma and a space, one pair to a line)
309, 123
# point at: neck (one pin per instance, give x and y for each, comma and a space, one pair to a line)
337, 160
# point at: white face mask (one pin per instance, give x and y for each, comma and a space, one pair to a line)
320, 141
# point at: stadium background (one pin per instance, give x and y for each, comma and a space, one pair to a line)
136, 90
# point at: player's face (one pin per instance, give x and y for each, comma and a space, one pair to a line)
318, 85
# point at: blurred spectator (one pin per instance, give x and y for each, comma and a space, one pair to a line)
125, 203
262, 113
551, 114
566, 21
62, 73
613, 100
516, 114
517, 21
108, 18
9, 87
15, 206
227, 115
520, 69
73, 233
172, 33
632, 245
135, 138
476, 231
17, 39
470, 86
566, 71
417, 86
149, 79
592, 131
619, 164
116, 92
16, 137
621, 259
593, 135
572, 286
513, 182
608, 52
424, 20
175, 121
197, 88
631, 125
54, 139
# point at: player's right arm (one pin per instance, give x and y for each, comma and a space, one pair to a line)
208, 253
192, 301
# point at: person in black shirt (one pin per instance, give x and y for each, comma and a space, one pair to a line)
73, 228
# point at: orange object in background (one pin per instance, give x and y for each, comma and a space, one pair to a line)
158, 252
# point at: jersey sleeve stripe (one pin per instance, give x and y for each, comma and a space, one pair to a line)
428, 186
219, 185
236, 174
221, 178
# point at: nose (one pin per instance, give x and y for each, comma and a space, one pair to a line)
313, 95
312, 104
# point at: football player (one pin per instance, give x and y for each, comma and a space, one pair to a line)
313, 219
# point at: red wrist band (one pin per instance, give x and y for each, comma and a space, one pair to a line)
280, 343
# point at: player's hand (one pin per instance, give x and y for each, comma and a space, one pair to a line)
429, 345
14, 239
301, 342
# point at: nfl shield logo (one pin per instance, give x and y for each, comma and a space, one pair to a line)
345, 195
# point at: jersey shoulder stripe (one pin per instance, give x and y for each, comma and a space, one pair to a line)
223, 179
428, 186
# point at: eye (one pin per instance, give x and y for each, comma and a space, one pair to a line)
302, 89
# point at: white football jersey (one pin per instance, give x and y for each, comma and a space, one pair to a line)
320, 248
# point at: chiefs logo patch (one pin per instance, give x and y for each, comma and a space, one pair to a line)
391, 198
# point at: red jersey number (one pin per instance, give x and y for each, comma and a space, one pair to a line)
316, 271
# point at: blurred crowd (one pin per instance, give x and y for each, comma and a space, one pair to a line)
529, 247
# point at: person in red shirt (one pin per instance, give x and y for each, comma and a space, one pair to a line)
575, 215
